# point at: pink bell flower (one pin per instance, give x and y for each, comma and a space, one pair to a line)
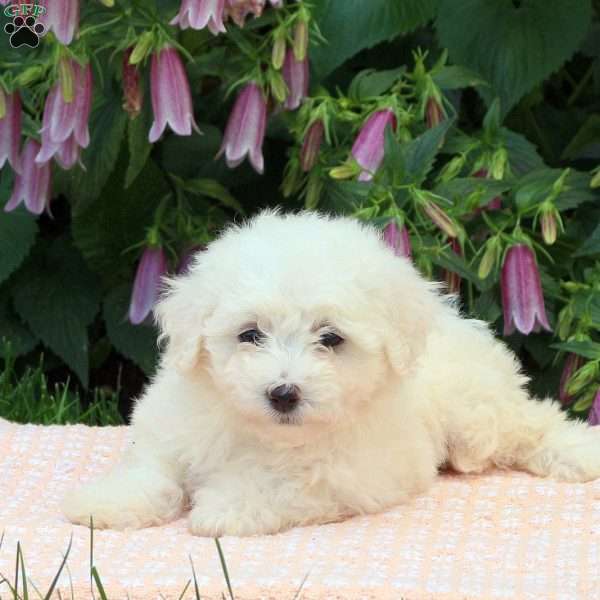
62, 17
295, 75
397, 239
65, 124
171, 96
311, 145
245, 129
199, 14
522, 297
368, 147
594, 414
32, 185
10, 129
146, 287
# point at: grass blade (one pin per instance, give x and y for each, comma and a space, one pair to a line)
187, 585
196, 590
49, 593
16, 590
70, 583
99, 584
23, 577
299, 590
224, 567
36, 590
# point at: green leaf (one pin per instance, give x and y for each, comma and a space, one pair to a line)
370, 83
522, 154
212, 189
189, 156
487, 307
349, 26
58, 297
18, 230
588, 135
136, 342
587, 349
447, 259
452, 77
534, 187
14, 330
591, 245
421, 152
344, 197
139, 146
107, 128
458, 189
512, 45
117, 220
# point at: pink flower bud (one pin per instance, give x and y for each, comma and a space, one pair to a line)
453, 279
133, 94
311, 145
522, 297
146, 287
295, 74
594, 414
10, 130
397, 239
199, 14
245, 129
434, 114
572, 364
171, 96
368, 148
32, 185
238, 10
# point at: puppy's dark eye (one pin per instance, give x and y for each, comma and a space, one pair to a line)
251, 336
330, 340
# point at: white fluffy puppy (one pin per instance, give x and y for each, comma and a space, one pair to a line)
310, 375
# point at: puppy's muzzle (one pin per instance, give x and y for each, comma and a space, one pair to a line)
284, 398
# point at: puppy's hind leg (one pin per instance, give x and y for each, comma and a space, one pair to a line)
138, 492
519, 432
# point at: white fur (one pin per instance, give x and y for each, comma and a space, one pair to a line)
414, 387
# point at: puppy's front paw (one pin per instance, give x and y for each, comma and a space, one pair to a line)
214, 519
123, 500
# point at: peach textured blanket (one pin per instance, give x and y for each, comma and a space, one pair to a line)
503, 535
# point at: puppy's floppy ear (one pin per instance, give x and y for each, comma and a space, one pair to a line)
181, 313
412, 305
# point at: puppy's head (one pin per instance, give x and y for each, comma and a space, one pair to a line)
300, 320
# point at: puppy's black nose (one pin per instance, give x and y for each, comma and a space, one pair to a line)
284, 398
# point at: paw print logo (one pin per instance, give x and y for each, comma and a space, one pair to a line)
25, 31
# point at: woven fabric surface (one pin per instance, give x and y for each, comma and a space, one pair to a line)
500, 535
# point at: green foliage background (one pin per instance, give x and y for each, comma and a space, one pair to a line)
520, 76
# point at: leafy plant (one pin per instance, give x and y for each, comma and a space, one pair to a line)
466, 129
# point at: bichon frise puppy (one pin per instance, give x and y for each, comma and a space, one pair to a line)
310, 375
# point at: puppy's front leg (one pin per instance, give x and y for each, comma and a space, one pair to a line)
138, 492
252, 501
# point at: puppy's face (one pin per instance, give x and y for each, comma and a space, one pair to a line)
280, 361
299, 320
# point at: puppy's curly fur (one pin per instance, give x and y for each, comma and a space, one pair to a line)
404, 386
